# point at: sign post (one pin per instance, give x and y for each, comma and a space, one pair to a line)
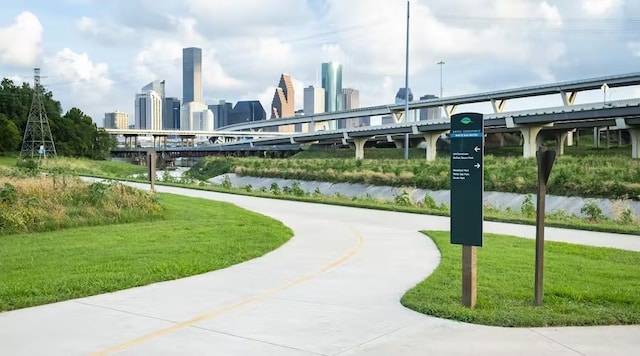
545, 163
467, 187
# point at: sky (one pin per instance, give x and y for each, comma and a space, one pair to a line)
96, 55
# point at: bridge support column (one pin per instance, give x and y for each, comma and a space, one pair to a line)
399, 143
531, 142
635, 142
431, 139
561, 139
359, 144
570, 135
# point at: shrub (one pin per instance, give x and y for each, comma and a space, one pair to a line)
226, 182
592, 211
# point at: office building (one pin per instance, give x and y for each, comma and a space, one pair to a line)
247, 111
116, 120
225, 113
220, 113
314, 104
400, 99
171, 114
283, 105
430, 114
332, 85
158, 86
196, 117
148, 111
351, 100
191, 75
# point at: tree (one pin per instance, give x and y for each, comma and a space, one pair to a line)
74, 133
10, 137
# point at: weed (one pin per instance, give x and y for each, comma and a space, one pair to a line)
527, 208
402, 199
275, 189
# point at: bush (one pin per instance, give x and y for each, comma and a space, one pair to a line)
592, 211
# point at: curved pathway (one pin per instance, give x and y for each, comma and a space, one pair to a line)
334, 289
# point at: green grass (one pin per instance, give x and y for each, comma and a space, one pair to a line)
196, 236
8, 161
583, 285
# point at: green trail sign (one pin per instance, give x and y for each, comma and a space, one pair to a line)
467, 178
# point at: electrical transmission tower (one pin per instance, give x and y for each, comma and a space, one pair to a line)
37, 141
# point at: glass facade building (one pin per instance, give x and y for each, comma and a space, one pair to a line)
332, 85
192, 75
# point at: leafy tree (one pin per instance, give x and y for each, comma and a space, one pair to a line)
74, 133
10, 137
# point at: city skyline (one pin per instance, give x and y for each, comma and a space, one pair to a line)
95, 55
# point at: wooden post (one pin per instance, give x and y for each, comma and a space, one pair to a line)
469, 276
151, 162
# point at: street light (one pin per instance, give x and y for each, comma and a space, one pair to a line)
441, 64
406, 88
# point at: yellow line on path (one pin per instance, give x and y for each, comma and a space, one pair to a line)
215, 313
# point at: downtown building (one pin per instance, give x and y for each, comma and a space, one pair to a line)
429, 114
283, 103
351, 100
401, 97
314, 104
195, 115
226, 114
116, 120
148, 107
332, 85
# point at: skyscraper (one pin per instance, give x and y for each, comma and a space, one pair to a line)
332, 85
191, 75
282, 105
148, 111
171, 114
400, 99
314, 104
351, 100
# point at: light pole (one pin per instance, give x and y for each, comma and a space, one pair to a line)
441, 64
406, 89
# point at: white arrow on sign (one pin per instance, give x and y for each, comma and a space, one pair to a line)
477, 165
477, 149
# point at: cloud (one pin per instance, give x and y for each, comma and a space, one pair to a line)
20, 42
600, 7
105, 32
77, 80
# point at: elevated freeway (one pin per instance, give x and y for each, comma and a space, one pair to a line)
568, 92
621, 114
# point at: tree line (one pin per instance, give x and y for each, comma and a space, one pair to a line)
74, 133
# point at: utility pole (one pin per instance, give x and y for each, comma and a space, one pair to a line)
37, 140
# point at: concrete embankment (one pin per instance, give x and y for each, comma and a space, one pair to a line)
499, 200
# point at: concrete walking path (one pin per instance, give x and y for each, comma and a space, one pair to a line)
334, 289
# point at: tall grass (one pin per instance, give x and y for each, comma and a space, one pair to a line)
615, 177
40, 203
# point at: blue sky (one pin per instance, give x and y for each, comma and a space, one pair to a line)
97, 54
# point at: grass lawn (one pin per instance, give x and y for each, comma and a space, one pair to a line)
583, 285
196, 236
8, 161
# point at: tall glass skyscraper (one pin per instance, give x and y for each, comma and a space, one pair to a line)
191, 75
332, 85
